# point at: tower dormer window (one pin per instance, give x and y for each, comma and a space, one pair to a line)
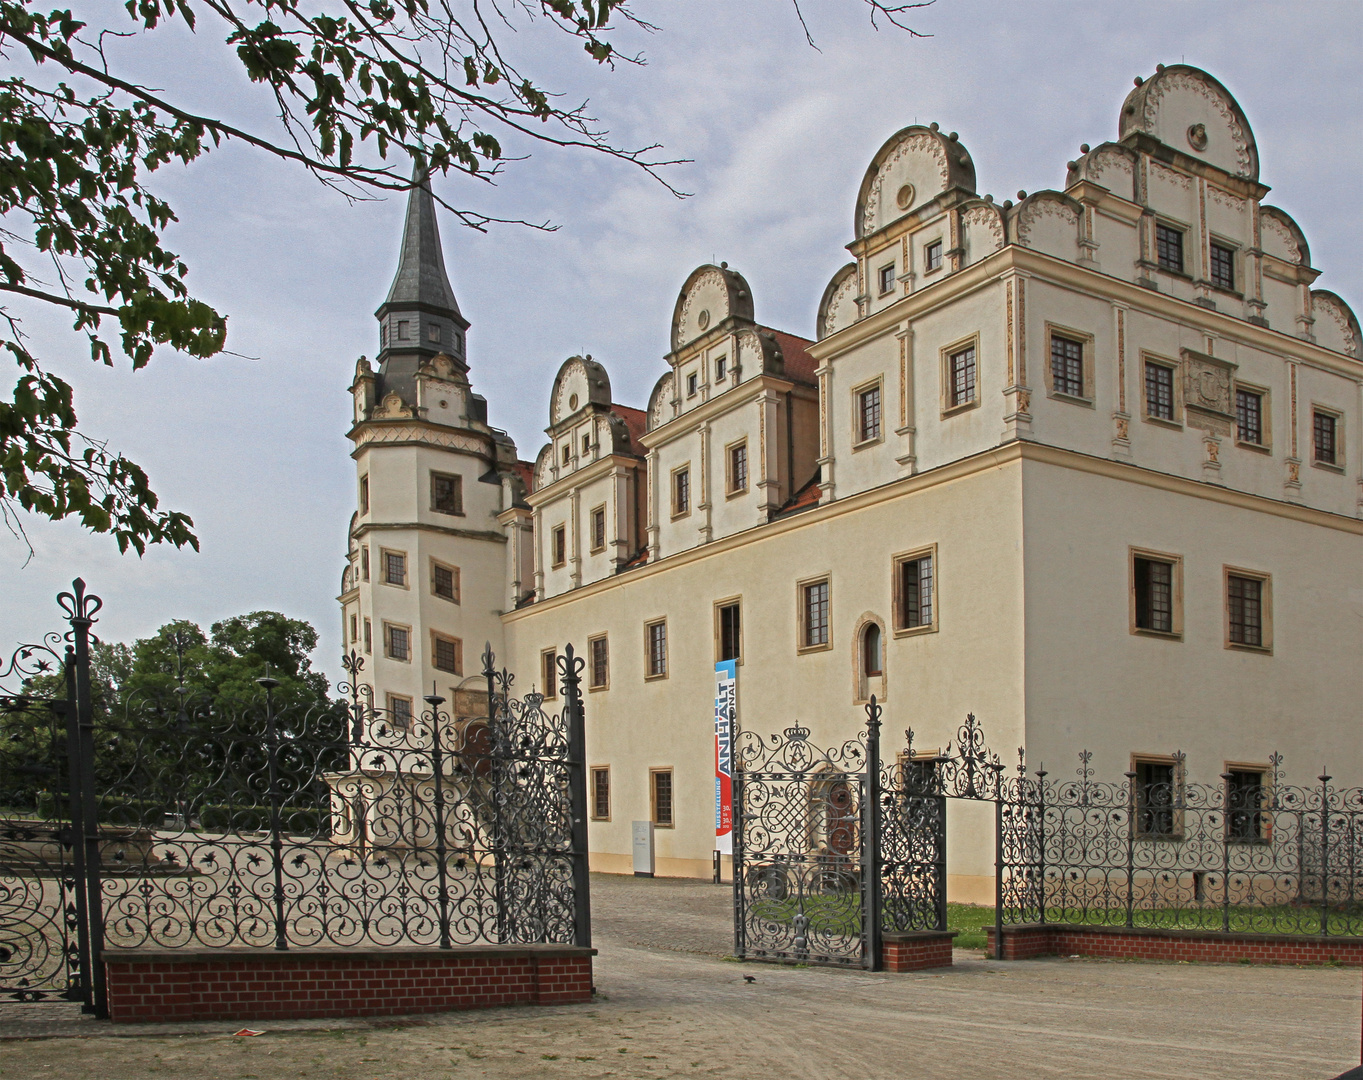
404, 330
433, 333
447, 493
383, 334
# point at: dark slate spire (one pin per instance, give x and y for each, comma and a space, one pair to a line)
420, 318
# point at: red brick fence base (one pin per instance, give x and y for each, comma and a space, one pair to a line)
1024, 941
250, 984
916, 950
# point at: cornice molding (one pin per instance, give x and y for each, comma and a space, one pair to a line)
733, 398
421, 526
1008, 454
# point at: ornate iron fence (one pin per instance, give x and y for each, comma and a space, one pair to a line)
1251, 854
183, 821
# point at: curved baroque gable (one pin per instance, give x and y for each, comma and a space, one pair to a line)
1188, 109
1281, 236
1336, 325
913, 167
838, 308
1049, 222
711, 295
580, 381
660, 401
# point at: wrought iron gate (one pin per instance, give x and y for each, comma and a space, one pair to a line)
190, 820
835, 848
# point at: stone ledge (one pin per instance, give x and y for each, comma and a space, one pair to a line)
336, 952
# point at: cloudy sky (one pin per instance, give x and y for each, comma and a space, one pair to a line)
778, 136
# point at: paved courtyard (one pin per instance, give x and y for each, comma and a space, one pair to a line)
671, 1005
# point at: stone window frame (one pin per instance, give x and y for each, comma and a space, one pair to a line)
1337, 466
719, 605
364, 494
877, 384
1236, 265
882, 277
388, 628
549, 672
1265, 445
454, 573
354, 628
605, 684
406, 582
1265, 646
653, 774
946, 354
436, 474
801, 610
865, 683
1087, 372
1177, 796
730, 491
592, 519
899, 630
391, 710
1175, 592
672, 491
598, 770
649, 674
1175, 368
437, 636
558, 546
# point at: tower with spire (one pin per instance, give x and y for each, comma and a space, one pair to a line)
424, 582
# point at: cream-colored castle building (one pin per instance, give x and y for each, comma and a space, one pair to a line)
1089, 465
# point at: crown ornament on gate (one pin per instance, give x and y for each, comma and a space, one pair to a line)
797, 732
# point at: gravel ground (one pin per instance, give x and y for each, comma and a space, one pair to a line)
670, 1005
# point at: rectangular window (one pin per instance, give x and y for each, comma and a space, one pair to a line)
738, 468
814, 615
1156, 796
887, 279
655, 638
1159, 391
1244, 804
1245, 604
1067, 366
368, 637
914, 588
961, 378
1325, 428
1223, 267
560, 542
660, 784
354, 629
586, 446
364, 494
433, 334
404, 330
932, 257
868, 414
730, 630
1169, 248
601, 794
445, 581
692, 381
600, 673
1249, 417
721, 368
364, 562
1153, 581
447, 654
395, 568
447, 493
397, 642
549, 673
681, 492
599, 528
400, 711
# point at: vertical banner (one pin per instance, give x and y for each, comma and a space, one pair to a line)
726, 702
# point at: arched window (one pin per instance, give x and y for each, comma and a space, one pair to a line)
870, 651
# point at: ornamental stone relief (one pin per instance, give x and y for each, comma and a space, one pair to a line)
1280, 232
662, 409
749, 352
1326, 310
713, 279
1171, 176
1044, 208
914, 144
1207, 392
986, 218
1110, 161
1225, 198
842, 300
1186, 82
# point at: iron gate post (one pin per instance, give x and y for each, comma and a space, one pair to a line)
1131, 815
80, 608
740, 941
281, 934
441, 852
498, 744
1041, 840
1324, 853
1227, 823
571, 666
998, 874
69, 715
870, 840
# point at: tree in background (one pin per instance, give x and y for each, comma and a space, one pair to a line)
360, 88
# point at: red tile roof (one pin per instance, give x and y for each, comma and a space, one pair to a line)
799, 364
807, 497
637, 560
637, 422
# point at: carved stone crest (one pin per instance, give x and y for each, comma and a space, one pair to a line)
1207, 395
